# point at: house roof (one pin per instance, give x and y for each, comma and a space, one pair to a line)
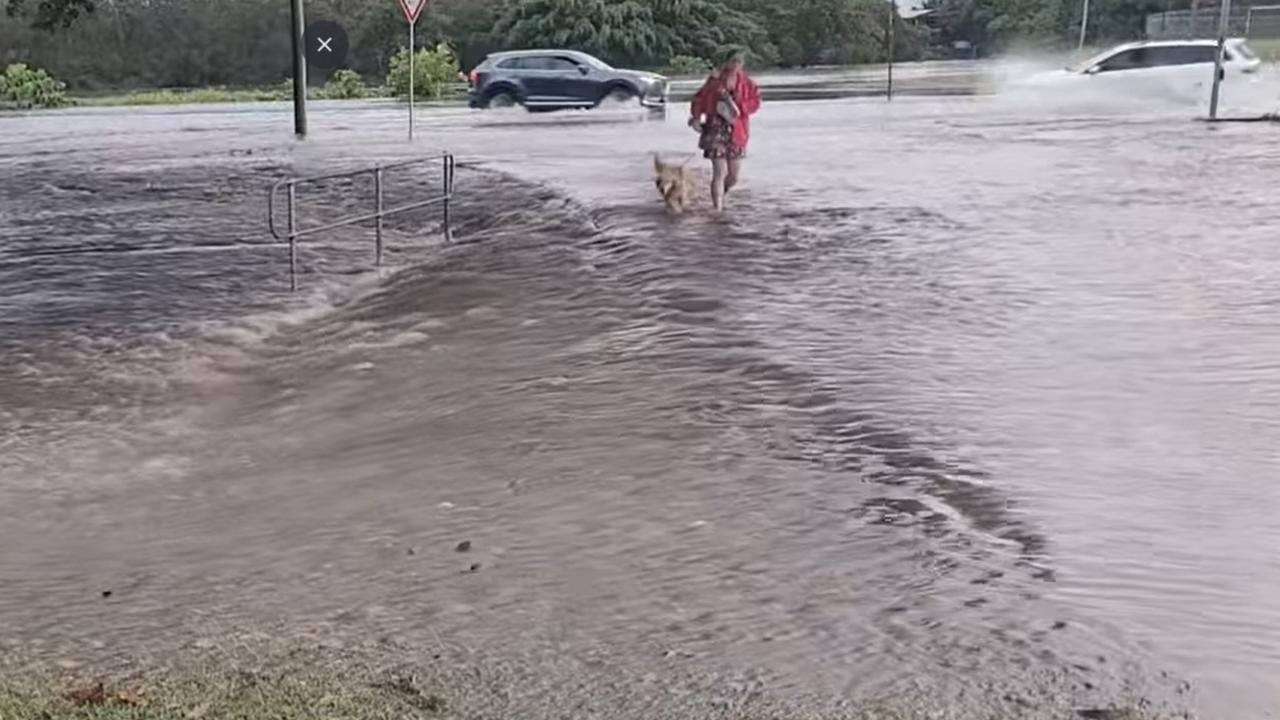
908, 9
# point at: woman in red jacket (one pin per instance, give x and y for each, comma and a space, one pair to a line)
721, 114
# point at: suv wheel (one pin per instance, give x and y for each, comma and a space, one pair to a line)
501, 99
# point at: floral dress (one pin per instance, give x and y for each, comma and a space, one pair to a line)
717, 138
720, 137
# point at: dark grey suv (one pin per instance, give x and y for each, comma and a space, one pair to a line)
559, 79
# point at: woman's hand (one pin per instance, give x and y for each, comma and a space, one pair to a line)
696, 124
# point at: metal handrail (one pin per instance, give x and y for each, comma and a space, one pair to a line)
292, 232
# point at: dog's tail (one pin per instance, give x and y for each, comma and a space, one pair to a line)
657, 162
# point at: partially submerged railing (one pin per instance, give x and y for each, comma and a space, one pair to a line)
293, 232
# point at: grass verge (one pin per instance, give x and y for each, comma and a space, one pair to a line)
283, 93
206, 95
265, 677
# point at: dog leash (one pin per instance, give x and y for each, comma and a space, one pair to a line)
686, 159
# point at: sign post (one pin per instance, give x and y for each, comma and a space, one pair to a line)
412, 9
1224, 16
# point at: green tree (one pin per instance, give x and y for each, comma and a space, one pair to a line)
688, 65
344, 85
814, 32
704, 28
50, 14
1041, 21
621, 31
27, 87
1053, 23
434, 72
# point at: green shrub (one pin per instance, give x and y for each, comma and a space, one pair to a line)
28, 87
344, 85
434, 72
282, 90
687, 65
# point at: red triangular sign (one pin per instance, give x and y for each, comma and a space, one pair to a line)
412, 9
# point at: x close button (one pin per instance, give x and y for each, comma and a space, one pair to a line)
326, 44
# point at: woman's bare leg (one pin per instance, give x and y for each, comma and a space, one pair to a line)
731, 177
719, 169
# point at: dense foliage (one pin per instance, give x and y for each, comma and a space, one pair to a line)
49, 14
434, 72
26, 87
1043, 23
344, 85
688, 65
187, 43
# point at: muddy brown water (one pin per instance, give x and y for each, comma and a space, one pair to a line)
973, 397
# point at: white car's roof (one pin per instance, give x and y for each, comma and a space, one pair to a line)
1175, 43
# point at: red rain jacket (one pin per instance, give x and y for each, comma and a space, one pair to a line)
746, 95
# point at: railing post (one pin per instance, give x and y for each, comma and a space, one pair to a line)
293, 244
377, 223
447, 174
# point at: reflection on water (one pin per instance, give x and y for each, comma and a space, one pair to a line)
967, 396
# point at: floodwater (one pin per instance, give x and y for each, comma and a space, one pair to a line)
973, 397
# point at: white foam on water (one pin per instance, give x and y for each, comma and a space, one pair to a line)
1042, 83
399, 339
317, 298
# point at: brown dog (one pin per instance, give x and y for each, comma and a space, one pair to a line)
673, 184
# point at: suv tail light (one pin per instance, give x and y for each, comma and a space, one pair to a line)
475, 76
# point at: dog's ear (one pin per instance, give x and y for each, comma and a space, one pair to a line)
657, 163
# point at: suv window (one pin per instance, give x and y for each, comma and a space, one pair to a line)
548, 62
1180, 55
1127, 60
562, 64
516, 63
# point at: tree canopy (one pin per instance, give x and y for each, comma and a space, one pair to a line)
999, 23
160, 43
50, 14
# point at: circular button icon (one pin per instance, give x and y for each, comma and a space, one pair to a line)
326, 44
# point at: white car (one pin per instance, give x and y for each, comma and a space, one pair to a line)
1183, 67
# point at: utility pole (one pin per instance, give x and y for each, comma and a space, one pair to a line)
1084, 24
893, 15
299, 69
412, 52
1223, 17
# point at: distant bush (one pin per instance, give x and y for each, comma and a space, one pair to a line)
344, 85
434, 72
282, 90
687, 65
28, 87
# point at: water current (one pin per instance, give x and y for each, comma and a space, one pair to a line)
975, 396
